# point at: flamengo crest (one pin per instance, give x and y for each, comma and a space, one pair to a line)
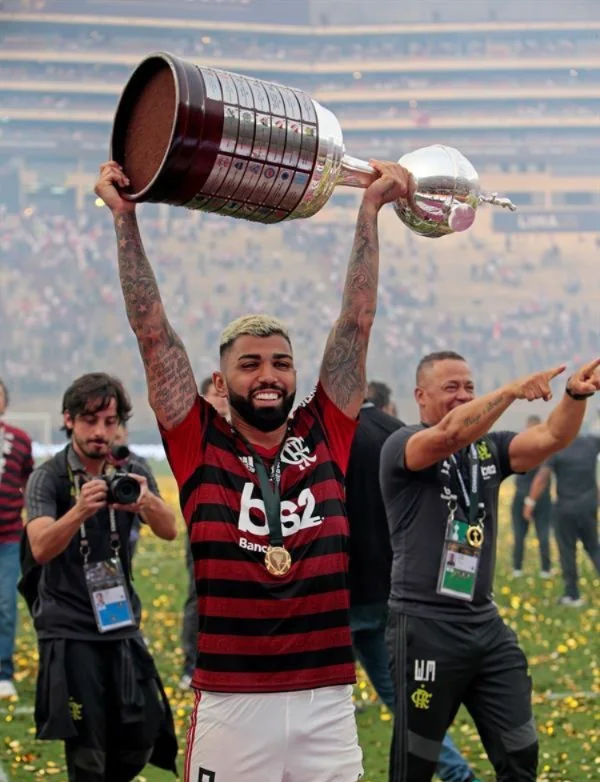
295, 452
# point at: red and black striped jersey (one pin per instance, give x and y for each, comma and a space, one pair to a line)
16, 465
259, 632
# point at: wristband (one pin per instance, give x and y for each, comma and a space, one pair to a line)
577, 397
529, 501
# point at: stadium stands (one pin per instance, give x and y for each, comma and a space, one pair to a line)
519, 96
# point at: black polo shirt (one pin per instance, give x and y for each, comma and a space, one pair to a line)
370, 550
417, 513
63, 608
575, 469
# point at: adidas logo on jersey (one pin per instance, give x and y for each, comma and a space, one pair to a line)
248, 462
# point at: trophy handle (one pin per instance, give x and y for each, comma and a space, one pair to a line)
495, 200
356, 173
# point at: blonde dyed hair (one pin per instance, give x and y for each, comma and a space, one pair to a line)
253, 326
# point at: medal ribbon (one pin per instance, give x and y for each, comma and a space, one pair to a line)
471, 498
270, 492
271, 498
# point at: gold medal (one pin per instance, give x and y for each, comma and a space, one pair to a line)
475, 536
278, 561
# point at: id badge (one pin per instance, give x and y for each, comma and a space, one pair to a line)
108, 594
460, 563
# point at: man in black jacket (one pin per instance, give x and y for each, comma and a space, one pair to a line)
371, 561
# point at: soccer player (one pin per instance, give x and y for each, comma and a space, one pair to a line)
263, 498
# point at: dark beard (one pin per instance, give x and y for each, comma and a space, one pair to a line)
265, 419
86, 453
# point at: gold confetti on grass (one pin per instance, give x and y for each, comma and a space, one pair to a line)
562, 646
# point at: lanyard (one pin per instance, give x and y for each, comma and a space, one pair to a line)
471, 498
84, 547
269, 487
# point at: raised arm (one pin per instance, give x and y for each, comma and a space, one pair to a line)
170, 378
470, 421
343, 371
533, 446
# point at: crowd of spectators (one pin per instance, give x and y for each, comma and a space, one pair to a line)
487, 150
273, 47
116, 75
323, 13
507, 309
419, 113
336, 90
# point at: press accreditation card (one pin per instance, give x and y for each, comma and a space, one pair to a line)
460, 563
108, 594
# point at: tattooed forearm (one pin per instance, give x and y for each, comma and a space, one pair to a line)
360, 289
467, 423
489, 407
138, 283
343, 372
171, 384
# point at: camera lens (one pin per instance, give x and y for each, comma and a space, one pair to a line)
125, 490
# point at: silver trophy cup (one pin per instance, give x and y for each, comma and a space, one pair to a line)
206, 139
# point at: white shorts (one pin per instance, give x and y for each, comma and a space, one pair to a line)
307, 736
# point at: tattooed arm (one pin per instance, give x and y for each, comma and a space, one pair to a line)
343, 371
171, 383
468, 422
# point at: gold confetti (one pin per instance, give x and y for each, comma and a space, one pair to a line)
561, 644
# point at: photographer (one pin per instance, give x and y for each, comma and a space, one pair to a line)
97, 688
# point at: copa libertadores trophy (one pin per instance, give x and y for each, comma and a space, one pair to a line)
207, 139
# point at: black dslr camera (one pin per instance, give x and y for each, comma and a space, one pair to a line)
122, 488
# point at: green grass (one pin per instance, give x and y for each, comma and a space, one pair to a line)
562, 644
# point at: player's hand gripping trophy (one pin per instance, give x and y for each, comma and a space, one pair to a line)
206, 139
